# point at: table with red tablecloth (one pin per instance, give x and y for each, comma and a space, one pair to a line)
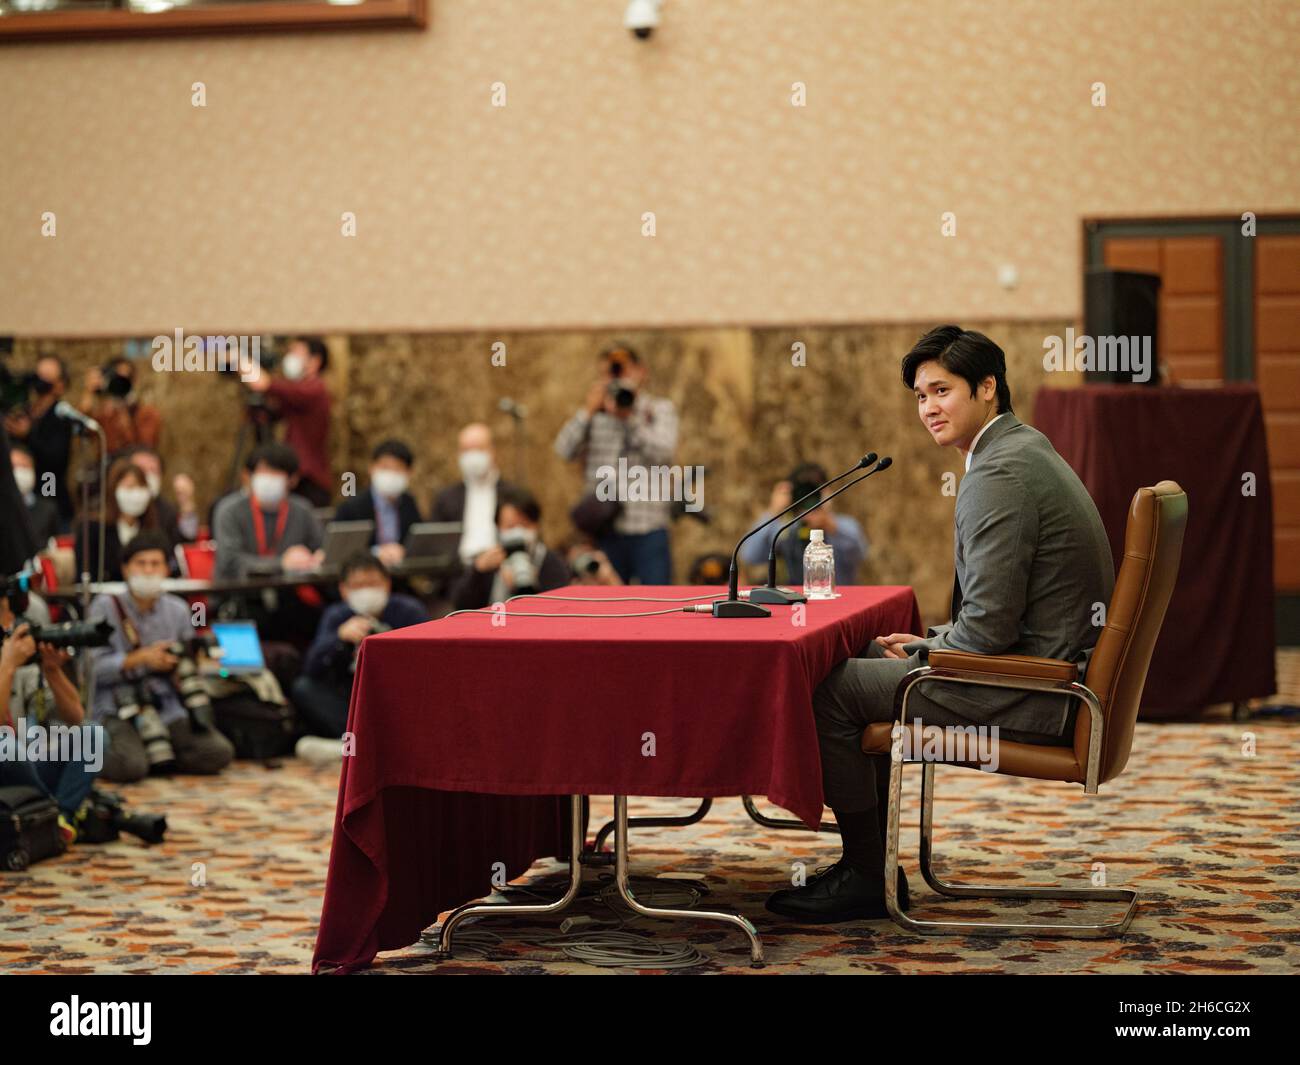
466, 733
1217, 642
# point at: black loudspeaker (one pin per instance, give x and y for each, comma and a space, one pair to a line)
1121, 303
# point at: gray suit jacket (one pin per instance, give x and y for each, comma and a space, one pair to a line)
1033, 562
237, 539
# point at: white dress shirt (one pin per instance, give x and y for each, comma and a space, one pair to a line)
479, 531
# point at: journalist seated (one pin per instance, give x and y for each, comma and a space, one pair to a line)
369, 605
387, 502
268, 529
517, 563
41, 694
146, 692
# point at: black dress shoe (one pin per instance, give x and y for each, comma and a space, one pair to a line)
842, 893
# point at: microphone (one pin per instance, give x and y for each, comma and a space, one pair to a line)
770, 593
84, 423
735, 607
508, 406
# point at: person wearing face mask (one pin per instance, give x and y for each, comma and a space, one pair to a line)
268, 524
179, 520
621, 421
146, 621
473, 502
109, 396
369, 605
43, 513
47, 436
518, 562
129, 510
387, 502
302, 401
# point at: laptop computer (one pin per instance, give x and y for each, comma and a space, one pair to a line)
241, 650
428, 540
344, 539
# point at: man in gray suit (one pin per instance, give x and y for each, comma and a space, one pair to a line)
1033, 574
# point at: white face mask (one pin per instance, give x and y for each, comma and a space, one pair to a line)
132, 501
154, 482
294, 366
475, 464
389, 483
367, 601
269, 489
25, 479
145, 585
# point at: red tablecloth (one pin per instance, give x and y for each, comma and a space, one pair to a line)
467, 732
1217, 643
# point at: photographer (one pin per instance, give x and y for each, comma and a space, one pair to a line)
108, 395
589, 564
843, 533
621, 421
301, 399
519, 562
47, 436
43, 513
324, 689
136, 675
40, 691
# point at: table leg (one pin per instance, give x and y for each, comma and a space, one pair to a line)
512, 909
598, 848
625, 891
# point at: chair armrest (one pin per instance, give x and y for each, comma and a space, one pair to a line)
1006, 665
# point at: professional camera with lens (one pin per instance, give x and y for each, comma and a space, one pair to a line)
586, 564
106, 818
135, 706
623, 396
71, 634
194, 694
519, 561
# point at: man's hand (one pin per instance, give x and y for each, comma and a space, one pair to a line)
893, 643
782, 497
155, 658
355, 629
298, 557
18, 423
487, 561
17, 648
390, 554
259, 382
596, 396
53, 659
822, 518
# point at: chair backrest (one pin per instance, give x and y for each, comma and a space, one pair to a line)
1117, 673
199, 560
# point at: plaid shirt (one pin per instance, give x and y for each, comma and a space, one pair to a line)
647, 437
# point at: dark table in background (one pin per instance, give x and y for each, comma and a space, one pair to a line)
1217, 643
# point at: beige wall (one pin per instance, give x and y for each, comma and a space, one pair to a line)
469, 217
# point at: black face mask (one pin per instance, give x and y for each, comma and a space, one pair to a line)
42, 387
119, 386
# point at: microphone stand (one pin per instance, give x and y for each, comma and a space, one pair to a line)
735, 607
770, 593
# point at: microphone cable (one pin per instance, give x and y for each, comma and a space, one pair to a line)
701, 608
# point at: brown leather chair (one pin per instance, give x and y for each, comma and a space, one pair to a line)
1103, 736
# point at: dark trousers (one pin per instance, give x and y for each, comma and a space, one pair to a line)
644, 556
196, 752
67, 783
322, 704
860, 691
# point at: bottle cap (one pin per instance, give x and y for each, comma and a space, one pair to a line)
816, 536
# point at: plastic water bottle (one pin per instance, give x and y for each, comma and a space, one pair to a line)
818, 567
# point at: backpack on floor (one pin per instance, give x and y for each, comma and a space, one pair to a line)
257, 728
29, 827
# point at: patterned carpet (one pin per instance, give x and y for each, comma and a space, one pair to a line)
1208, 834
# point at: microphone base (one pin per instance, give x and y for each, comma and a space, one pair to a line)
777, 596
737, 608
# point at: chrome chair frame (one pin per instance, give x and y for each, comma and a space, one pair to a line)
1070, 930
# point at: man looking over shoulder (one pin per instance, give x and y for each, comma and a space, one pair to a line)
1032, 562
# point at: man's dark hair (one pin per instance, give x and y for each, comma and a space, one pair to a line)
522, 500
394, 449
964, 352
276, 455
622, 351
147, 540
316, 346
361, 562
